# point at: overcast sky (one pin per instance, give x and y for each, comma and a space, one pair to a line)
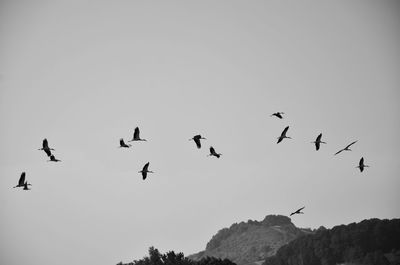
85, 74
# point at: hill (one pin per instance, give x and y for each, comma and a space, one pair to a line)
251, 241
370, 242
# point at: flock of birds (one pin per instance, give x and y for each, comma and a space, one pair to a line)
22, 183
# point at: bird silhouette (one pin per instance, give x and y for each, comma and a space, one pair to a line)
53, 159
347, 148
145, 170
361, 164
123, 144
21, 181
213, 153
283, 135
318, 141
136, 136
197, 139
278, 115
298, 211
46, 148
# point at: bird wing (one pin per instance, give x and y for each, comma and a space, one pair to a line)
197, 141
121, 142
144, 175
317, 145
338, 151
21, 179
361, 162
280, 140
299, 210
284, 131
146, 167
212, 150
136, 133
47, 151
45, 144
350, 144
319, 137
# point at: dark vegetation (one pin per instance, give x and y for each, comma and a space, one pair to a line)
171, 258
370, 242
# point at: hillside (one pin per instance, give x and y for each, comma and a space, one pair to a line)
252, 241
370, 242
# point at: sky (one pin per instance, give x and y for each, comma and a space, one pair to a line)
84, 74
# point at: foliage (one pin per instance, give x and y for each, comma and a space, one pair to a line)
362, 243
171, 258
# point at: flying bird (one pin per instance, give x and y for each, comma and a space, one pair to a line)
278, 114
298, 211
318, 141
283, 135
136, 136
46, 148
21, 181
145, 170
213, 153
197, 139
361, 165
347, 148
53, 159
123, 144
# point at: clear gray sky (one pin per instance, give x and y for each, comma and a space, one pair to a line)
84, 74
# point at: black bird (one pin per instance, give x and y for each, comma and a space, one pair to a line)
197, 139
46, 148
21, 181
347, 148
26, 186
123, 144
213, 153
53, 159
283, 135
318, 141
278, 114
136, 136
361, 164
298, 211
145, 170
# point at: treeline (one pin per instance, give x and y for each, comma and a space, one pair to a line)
171, 258
370, 242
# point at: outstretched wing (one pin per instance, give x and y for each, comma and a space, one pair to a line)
121, 142
212, 150
317, 144
361, 163
197, 141
350, 144
284, 131
136, 133
319, 137
146, 167
47, 151
45, 144
339, 151
21, 181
